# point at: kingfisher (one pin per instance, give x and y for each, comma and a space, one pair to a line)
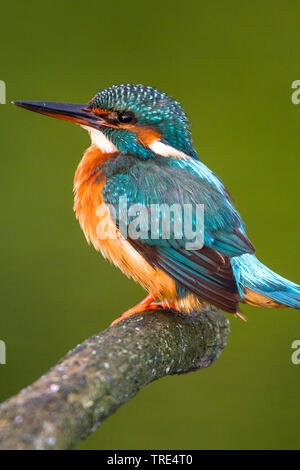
141, 149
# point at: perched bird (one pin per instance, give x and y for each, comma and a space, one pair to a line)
142, 150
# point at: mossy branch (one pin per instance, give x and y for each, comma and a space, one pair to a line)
71, 400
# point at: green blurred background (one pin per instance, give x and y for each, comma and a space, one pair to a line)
231, 64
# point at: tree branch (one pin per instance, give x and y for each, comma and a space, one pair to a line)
105, 371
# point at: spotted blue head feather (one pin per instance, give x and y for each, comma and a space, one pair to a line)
150, 107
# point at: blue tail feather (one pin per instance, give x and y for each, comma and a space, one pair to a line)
251, 274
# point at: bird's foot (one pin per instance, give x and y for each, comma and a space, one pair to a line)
145, 304
148, 303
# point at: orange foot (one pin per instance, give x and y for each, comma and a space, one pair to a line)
147, 304
140, 307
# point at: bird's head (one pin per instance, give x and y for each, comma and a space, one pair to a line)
132, 119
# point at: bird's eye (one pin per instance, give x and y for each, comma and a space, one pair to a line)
125, 117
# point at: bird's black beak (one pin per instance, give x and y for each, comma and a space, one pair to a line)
78, 113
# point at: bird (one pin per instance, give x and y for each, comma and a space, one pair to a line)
142, 152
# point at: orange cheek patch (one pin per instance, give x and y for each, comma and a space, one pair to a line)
145, 135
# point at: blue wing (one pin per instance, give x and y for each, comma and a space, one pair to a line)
207, 272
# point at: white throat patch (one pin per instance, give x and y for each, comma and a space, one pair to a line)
158, 147
165, 150
99, 139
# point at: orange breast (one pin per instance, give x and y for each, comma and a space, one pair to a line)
101, 231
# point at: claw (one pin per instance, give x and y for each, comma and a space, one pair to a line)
241, 316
